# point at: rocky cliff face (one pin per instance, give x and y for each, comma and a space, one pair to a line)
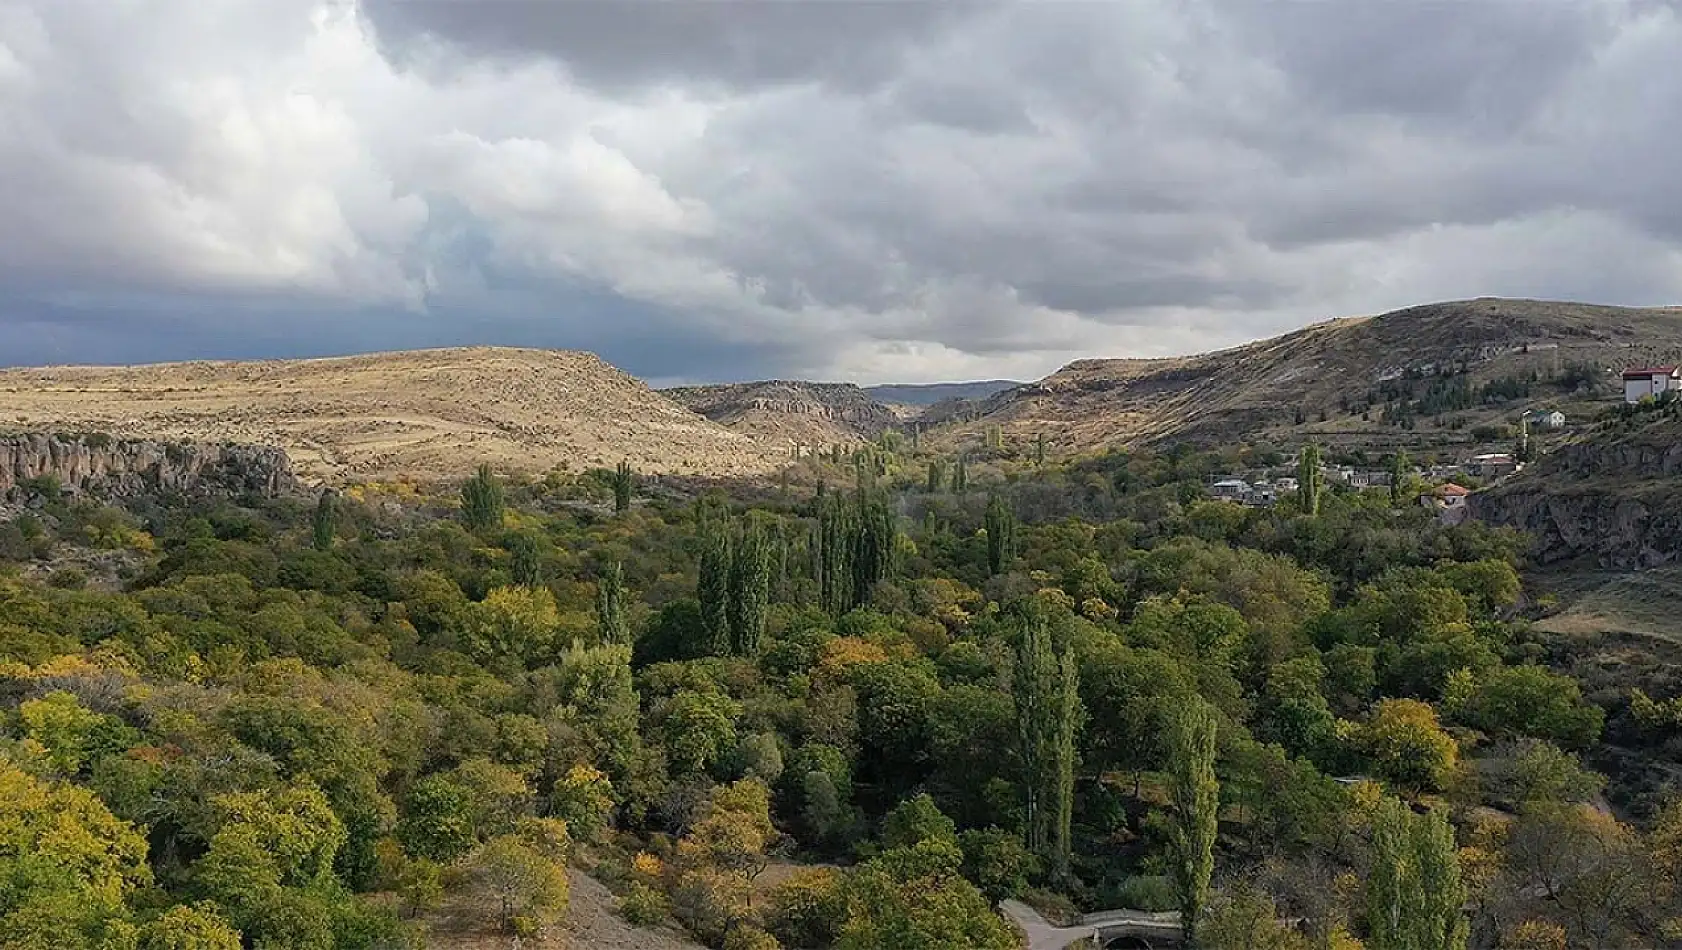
782, 410
1616, 496
100, 465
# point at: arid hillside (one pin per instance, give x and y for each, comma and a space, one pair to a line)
429, 414
1447, 367
784, 413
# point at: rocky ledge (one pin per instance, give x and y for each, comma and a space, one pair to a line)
122, 468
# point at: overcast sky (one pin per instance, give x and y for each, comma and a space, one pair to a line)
894, 191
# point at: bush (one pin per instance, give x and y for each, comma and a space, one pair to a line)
808, 909
749, 937
1147, 892
643, 905
68, 578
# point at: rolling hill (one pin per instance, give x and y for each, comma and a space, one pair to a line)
432, 414
1447, 367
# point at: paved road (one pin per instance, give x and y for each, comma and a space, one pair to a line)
1158, 929
1041, 934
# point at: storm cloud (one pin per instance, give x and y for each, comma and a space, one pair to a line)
878, 191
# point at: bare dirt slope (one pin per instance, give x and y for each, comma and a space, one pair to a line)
430, 414
467, 922
1336, 368
783, 412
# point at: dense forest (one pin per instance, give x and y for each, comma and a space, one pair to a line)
913, 686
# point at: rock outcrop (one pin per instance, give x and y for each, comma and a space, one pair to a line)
124, 468
791, 412
1615, 495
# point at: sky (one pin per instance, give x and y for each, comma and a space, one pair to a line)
873, 191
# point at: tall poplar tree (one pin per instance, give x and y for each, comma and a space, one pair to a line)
750, 588
611, 621
712, 585
835, 554
1001, 535
623, 483
324, 524
875, 532
481, 500
1414, 891
1048, 713
1194, 802
526, 561
1309, 480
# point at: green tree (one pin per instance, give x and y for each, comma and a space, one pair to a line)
524, 882
71, 735
1309, 480
1407, 745
526, 561
1399, 466
960, 475
915, 820
437, 820
1048, 713
481, 500
917, 899
1414, 890
624, 481
611, 622
750, 589
699, 728
874, 541
996, 861
66, 865
937, 476
189, 927
1533, 701
1001, 535
835, 533
1193, 804
712, 585
514, 625
325, 522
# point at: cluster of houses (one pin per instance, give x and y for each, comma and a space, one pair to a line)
1448, 500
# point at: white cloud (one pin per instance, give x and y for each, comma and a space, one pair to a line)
983, 190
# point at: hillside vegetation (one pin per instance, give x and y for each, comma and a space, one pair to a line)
1427, 375
429, 414
395, 716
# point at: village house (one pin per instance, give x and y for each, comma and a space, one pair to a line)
1449, 502
1643, 381
1230, 489
1492, 465
1545, 419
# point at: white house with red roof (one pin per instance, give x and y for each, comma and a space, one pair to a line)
1643, 381
1448, 501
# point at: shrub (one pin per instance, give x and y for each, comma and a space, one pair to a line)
808, 909
749, 937
643, 905
1147, 892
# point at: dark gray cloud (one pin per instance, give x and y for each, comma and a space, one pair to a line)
879, 190
626, 44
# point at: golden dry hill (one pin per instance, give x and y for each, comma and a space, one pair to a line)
427, 414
